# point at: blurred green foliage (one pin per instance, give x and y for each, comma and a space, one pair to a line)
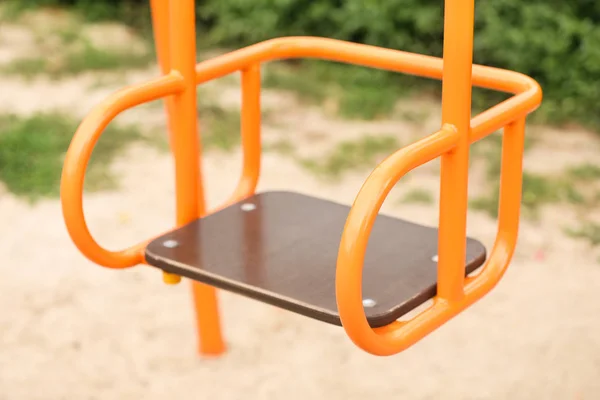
32, 152
132, 12
554, 41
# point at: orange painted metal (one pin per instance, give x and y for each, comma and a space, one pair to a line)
161, 39
398, 336
251, 142
456, 111
176, 50
77, 159
451, 143
527, 98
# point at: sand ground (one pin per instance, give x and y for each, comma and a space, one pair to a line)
72, 330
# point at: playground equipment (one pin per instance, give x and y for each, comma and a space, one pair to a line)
306, 254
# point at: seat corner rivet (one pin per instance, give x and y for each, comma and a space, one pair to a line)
170, 244
248, 207
369, 303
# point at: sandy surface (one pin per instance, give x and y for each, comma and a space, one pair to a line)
72, 330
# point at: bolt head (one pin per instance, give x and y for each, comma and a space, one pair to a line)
369, 303
248, 207
170, 244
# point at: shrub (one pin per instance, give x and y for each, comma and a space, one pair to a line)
554, 41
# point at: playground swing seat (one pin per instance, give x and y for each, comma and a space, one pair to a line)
306, 254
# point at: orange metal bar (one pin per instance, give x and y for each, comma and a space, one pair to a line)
456, 110
203, 298
208, 320
509, 209
357, 54
355, 236
251, 142
186, 151
78, 156
528, 92
160, 26
398, 336
205, 302
251, 139
528, 98
186, 147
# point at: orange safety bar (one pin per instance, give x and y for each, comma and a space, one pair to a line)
459, 130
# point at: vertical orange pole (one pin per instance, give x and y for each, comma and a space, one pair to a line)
160, 27
250, 127
511, 181
456, 110
186, 150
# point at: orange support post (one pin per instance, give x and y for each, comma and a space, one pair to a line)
159, 8
160, 26
176, 49
456, 111
251, 143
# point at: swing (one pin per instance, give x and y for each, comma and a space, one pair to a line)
302, 253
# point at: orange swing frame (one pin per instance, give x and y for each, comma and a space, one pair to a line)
181, 74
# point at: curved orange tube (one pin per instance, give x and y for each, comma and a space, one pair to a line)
357, 54
527, 90
356, 233
78, 156
398, 336
527, 98
251, 142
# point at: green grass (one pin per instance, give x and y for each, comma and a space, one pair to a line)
418, 196
367, 102
91, 58
133, 14
307, 90
538, 190
67, 52
10, 10
365, 93
351, 156
487, 204
415, 116
359, 92
283, 146
219, 127
490, 150
589, 231
86, 58
27, 67
585, 172
32, 151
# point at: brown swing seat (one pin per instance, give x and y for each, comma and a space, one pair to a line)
281, 248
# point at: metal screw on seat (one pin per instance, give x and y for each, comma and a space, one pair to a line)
369, 303
248, 207
435, 258
170, 244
